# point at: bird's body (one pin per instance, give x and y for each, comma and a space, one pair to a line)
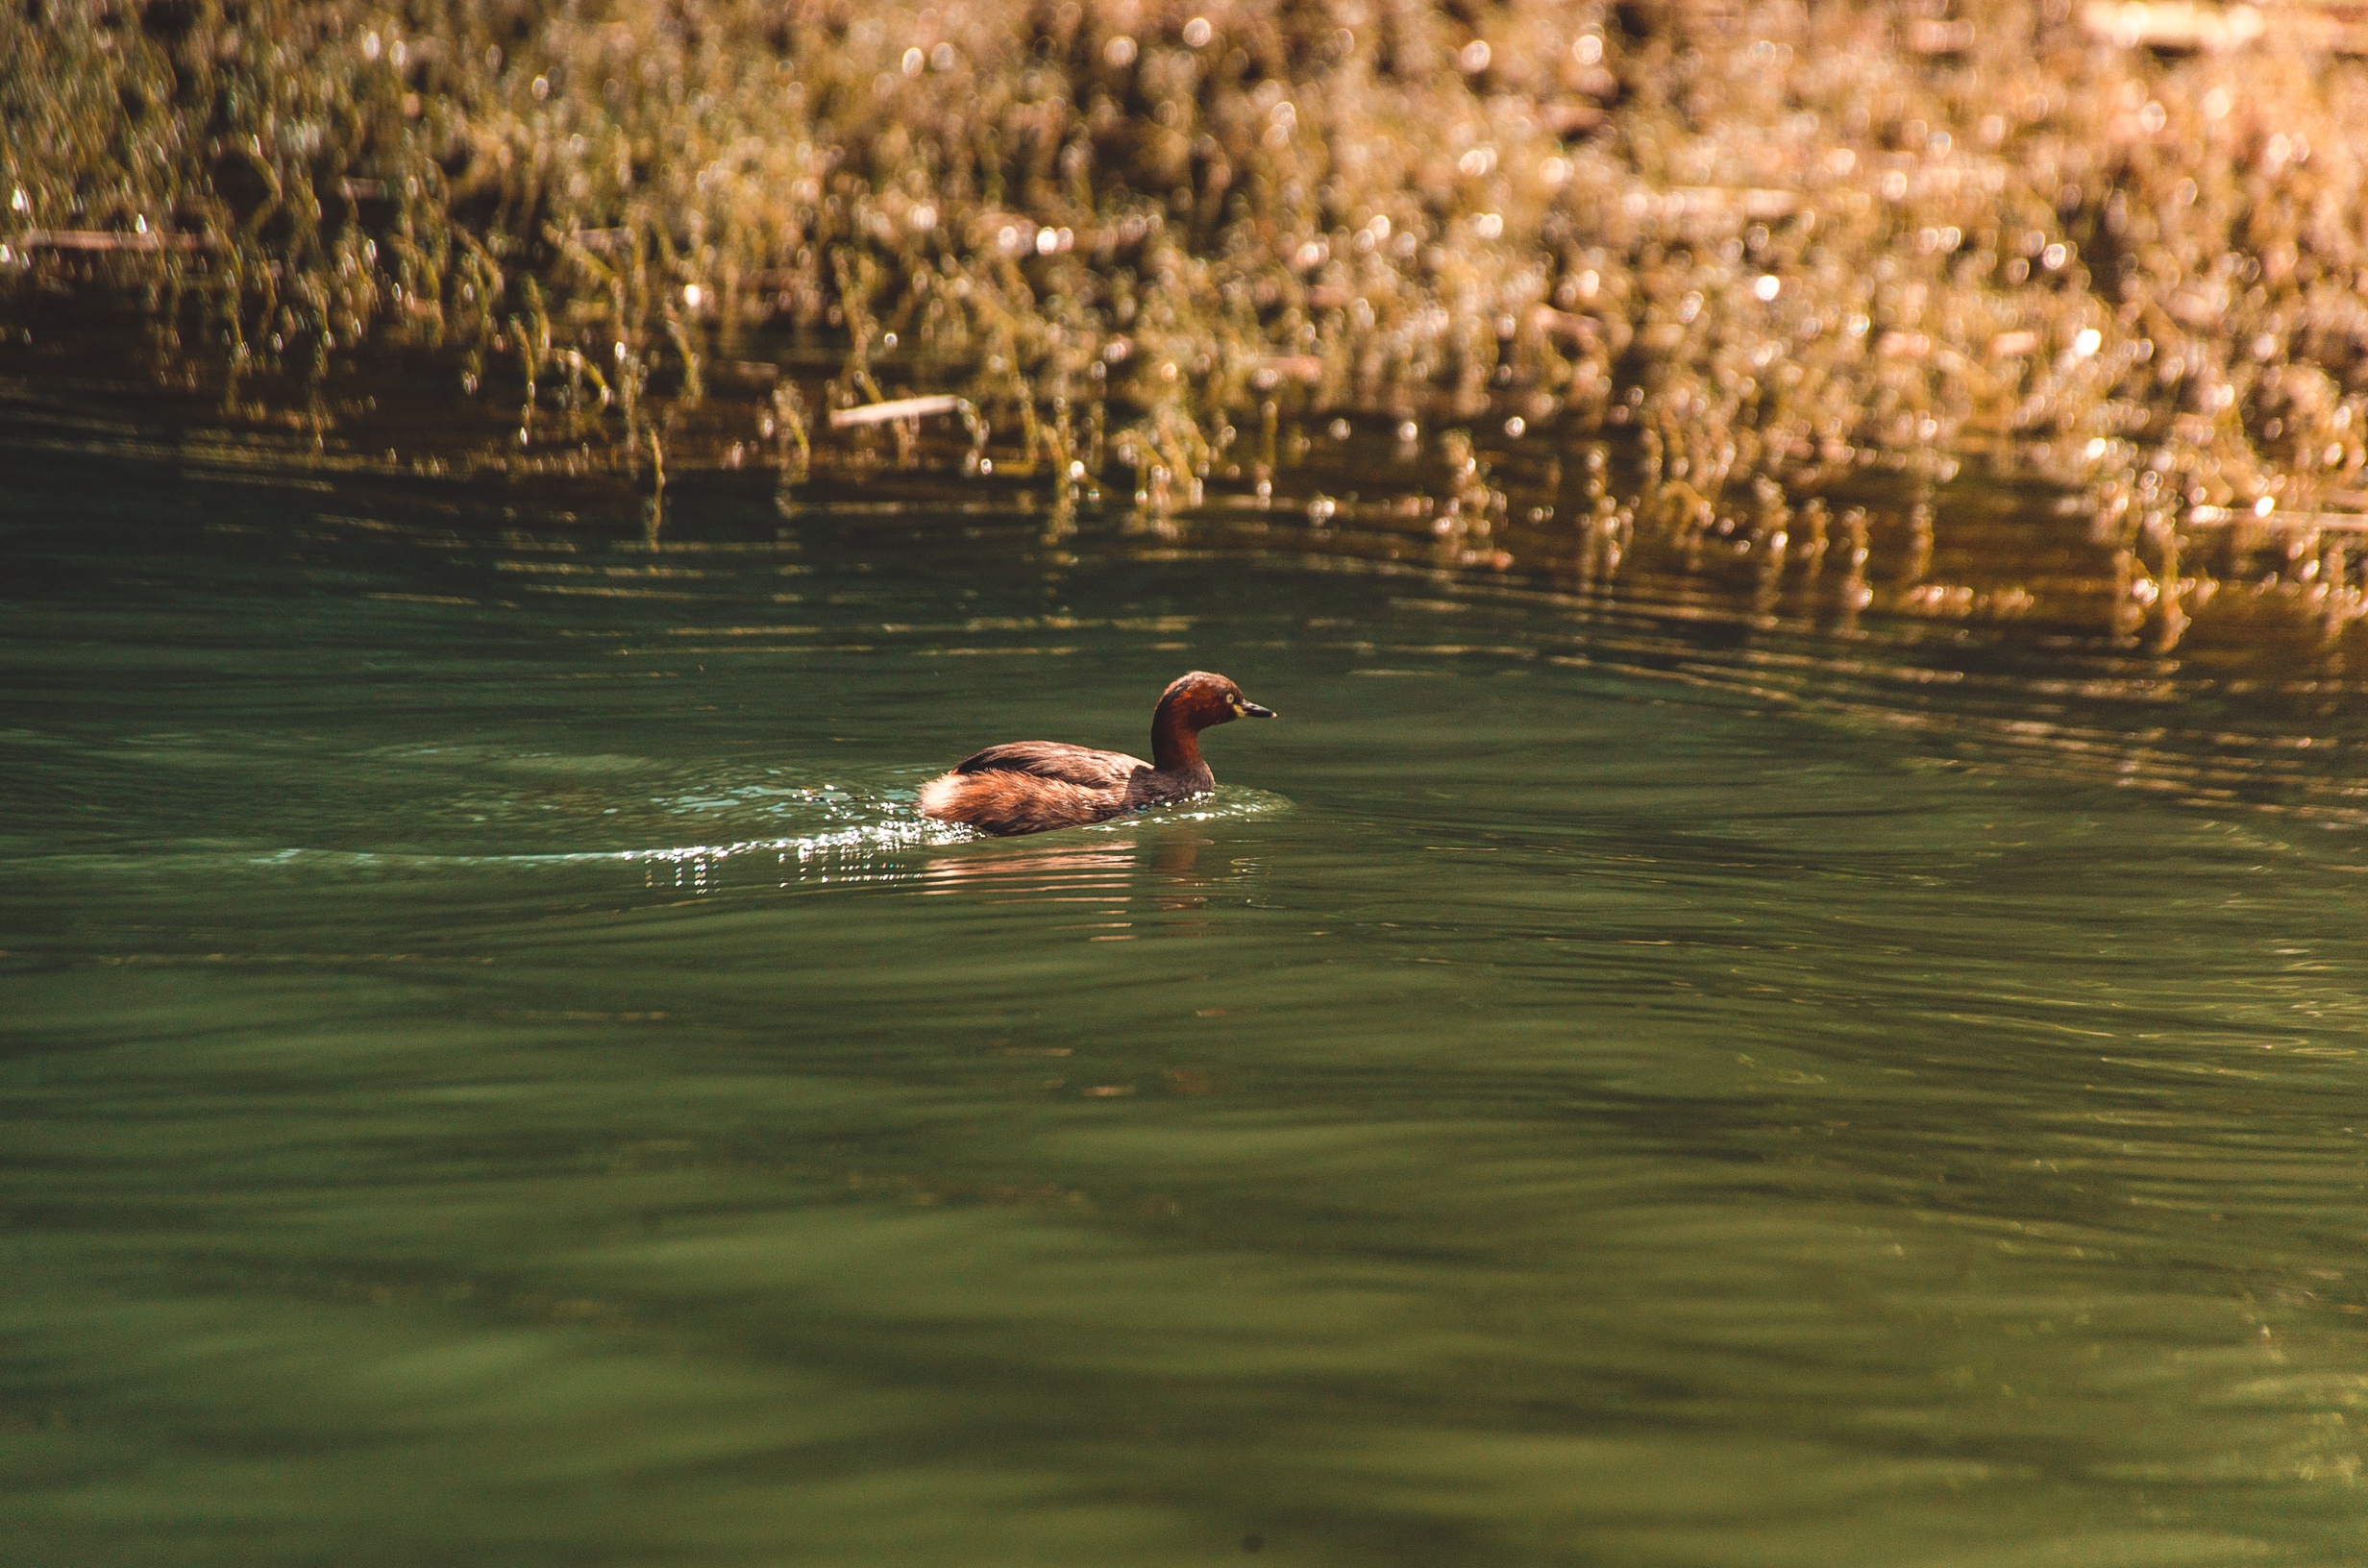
1031, 786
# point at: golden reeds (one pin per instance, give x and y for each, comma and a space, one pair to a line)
1753, 241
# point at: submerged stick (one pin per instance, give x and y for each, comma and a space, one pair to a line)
110, 239
2206, 517
896, 409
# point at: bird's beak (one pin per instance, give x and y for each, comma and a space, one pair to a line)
1251, 710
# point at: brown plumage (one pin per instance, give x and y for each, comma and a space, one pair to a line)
1031, 785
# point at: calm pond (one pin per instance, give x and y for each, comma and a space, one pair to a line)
494, 1073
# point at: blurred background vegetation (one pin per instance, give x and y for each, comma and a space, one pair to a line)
1773, 242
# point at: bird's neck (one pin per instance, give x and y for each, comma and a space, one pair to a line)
1176, 745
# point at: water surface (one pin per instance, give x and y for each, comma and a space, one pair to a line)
495, 1072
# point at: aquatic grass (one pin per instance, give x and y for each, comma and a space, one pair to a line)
1754, 243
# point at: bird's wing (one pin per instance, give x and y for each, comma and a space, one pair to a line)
1050, 759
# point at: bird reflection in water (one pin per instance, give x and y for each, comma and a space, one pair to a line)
1151, 870
1168, 867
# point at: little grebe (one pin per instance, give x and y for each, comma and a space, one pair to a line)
1029, 786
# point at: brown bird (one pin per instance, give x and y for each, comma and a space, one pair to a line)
1029, 786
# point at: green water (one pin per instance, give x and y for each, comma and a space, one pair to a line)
492, 1072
